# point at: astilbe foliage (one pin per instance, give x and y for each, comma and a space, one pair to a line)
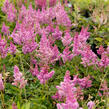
19, 80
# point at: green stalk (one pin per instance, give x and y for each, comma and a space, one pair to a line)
2, 100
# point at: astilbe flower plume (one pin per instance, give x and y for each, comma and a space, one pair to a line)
1, 83
80, 40
104, 88
5, 29
61, 16
10, 10
57, 34
43, 75
67, 39
104, 61
80, 47
41, 3
67, 55
19, 80
3, 47
69, 92
47, 53
12, 48
14, 106
91, 105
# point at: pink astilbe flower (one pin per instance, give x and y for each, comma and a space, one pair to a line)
91, 105
35, 71
67, 90
10, 10
57, 34
44, 75
23, 36
12, 48
6, 6
3, 48
67, 55
80, 40
104, 88
85, 82
11, 14
28, 47
52, 2
19, 80
61, 16
1, 83
88, 56
41, 3
100, 50
67, 39
47, 53
5, 29
14, 106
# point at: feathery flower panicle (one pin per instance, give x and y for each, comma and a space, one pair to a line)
57, 34
104, 88
47, 53
100, 50
61, 16
12, 48
67, 55
10, 10
5, 29
29, 47
35, 71
3, 47
52, 2
80, 41
67, 90
88, 56
19, 80
14, 106
11, 14
44, 75
1, 83
91, 105
67, 39
85, 82
6, 6
41, 3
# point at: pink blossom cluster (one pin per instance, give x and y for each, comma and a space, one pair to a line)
3, 47
43, 3
46, 52
19, 80
12, 48
5, 29
68, 92
1, 83
88, 57
43, 75
104, 62
10, 11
